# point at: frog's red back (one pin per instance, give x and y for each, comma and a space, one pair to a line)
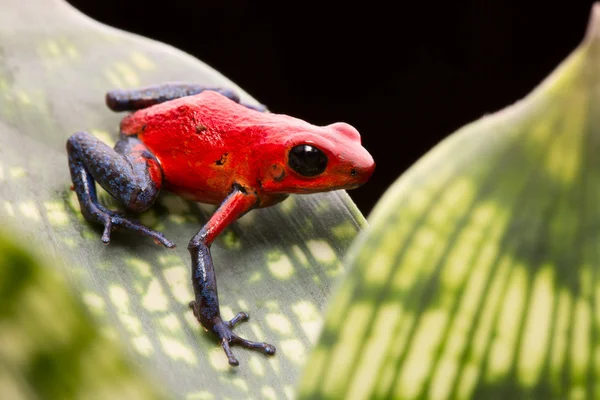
206, 142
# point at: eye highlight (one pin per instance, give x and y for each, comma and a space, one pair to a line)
307, 160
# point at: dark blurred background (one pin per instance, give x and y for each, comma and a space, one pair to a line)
405, 74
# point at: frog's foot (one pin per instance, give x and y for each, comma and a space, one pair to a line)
224, 331
112, 219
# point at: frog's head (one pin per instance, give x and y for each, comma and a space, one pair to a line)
317, 159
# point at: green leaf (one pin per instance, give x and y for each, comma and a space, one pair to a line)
278, 263
49, 346
478, 276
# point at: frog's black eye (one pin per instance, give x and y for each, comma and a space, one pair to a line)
307, 160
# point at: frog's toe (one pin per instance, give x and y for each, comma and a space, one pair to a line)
112, 220
224, 331
135, 226
227, 338
107, 231
266, 348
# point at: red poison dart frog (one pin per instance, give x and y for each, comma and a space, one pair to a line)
207, 146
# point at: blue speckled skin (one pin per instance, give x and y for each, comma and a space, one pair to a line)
126, 173
130, 100
91, 160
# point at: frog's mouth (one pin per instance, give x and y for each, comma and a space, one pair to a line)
325, 189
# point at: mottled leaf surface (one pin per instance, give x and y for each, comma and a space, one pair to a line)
478, 276
278, 264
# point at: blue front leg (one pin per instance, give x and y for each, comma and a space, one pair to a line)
206, 304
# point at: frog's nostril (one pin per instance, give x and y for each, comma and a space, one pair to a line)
353, 172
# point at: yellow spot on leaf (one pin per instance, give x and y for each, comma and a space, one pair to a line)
281, 268
279, 323
142, 62
69, 241
143, 345
178, 280
177, 350
171, 323
155, 299
310, 319
344, 231
72, 51
536, 332
483, 213
227, 312
290, 392
119, 297
29, 210
110, 332
243, 305
321, 251
564, 156
268, 393
457, 266
492, 302
53, 48
218, 360
413, 264
259, 335
421, 353
562, 325
169, 259
456, 340
201, 395
380, 268
468, 380
345, 350
441, 385
17, 172
56, 213
240, 383
95, 302
129, 75
299, 254
142, 267
24, 98
177, 219
132, 323
418, 200
507, 328
578, 393
255, 277
257, 365
375, 349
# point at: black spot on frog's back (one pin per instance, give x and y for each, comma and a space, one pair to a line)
221, 161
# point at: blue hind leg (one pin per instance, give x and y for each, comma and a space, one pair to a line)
136, 99
129, 172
